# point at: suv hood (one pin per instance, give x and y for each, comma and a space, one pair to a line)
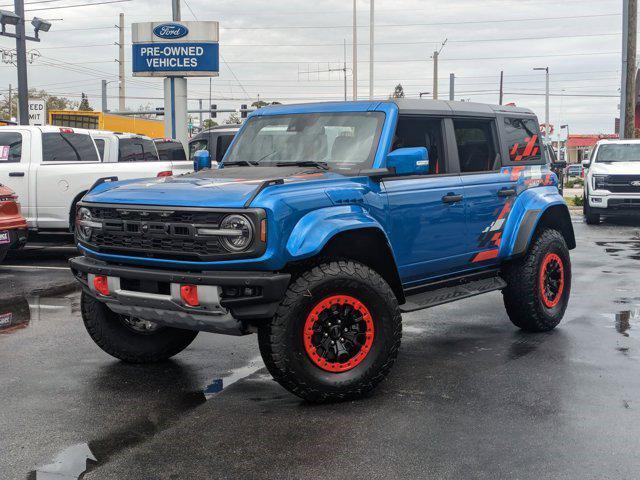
229, 187
616, 168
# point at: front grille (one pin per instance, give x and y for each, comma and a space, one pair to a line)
621, 183
162, 233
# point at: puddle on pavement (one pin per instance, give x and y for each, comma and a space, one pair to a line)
625, 320
219, 384
617, 248
69, 464
22, 313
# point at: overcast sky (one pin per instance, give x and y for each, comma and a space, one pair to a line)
266, 54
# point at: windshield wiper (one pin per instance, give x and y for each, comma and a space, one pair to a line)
247, 163
305, 163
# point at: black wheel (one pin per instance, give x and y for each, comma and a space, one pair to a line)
130, 339
590, 217
539, 284
336, 334
3, 253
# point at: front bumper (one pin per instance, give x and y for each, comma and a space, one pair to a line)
613, 204
154, 295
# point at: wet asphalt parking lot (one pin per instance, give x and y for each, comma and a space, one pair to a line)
469, 397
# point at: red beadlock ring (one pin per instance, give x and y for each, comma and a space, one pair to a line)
313, 318
551, 262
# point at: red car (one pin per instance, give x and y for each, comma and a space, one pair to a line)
13, 226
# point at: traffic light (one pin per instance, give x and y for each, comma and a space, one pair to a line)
214, 110
243, 111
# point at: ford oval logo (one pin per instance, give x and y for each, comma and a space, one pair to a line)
170, 30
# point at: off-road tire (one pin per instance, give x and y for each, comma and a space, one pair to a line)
523, 298
589, 217
282, 344
112, 335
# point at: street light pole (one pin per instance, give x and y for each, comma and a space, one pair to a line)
371, 45
21, 64
546, 101
355, 51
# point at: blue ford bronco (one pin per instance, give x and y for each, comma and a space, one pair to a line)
323, 224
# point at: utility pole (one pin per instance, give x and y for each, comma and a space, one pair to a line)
501, 87
104, 96
200, 113
10, 103
21, 64
355, 50
628, 87
345, 70
436, 54
435, 74
546, 101
371, 48
452, 86
121, 88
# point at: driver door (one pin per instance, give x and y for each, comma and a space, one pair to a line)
427, 212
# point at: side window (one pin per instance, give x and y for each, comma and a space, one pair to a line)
476, 147
196, 145
100, 145
10, 147
523, 139
68, 147
422, 132
222, 146
137, 150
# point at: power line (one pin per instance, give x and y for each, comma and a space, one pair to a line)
512, 39
391, 25
75, 6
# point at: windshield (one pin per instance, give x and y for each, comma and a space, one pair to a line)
621, 152
341, 140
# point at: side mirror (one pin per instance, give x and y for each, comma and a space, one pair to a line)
586, 163
561, 165
201, 160
409, 161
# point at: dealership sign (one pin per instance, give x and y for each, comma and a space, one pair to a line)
184, 49
170, 31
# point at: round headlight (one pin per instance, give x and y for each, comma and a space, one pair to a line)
239, 233
83, 219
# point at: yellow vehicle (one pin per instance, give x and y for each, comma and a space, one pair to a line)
107, 121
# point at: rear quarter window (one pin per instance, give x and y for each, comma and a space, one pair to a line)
137, 150
10, 147
522, 136
68, 147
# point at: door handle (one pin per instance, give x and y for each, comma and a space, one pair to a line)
507, 192
16, 174
452, 198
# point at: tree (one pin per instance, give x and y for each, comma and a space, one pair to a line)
262, 103
233, 119
52, 102
398, 92
209, 123
84, 104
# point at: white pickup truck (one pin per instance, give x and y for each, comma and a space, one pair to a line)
612, 181
51, 168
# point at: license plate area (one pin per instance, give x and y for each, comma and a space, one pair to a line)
4, 238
